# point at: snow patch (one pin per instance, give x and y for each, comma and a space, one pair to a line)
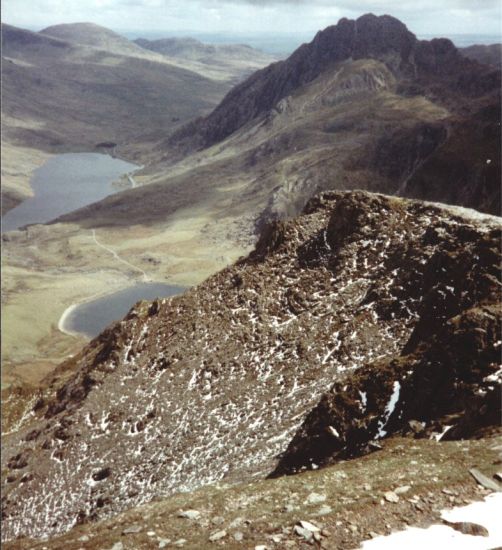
389, 409
485, 513
364, 400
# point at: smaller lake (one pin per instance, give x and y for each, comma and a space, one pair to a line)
65, 183
93, 317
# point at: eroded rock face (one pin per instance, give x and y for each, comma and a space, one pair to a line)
392, 298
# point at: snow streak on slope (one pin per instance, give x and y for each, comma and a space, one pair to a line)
214, 384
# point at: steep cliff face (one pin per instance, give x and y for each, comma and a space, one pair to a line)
362, 292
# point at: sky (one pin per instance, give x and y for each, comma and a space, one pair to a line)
302, 17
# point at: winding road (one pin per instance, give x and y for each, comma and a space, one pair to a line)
146, 278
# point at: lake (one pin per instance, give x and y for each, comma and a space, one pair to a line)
91, 318
65, 183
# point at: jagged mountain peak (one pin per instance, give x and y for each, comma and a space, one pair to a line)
369, 34
419, 64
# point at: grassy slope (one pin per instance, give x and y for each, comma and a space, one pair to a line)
78, 95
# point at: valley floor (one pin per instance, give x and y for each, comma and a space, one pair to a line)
46, 269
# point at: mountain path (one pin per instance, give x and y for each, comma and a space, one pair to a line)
146, 278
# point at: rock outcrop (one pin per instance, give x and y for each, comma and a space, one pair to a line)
465, 169
364, 313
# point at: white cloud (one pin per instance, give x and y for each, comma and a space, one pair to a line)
440, 17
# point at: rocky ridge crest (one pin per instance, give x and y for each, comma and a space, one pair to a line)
310, 337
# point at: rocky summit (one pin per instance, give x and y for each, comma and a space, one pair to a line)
364, 317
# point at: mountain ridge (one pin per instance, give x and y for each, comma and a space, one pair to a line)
238, 60
322, 296
97, 36
383, 38
187, 45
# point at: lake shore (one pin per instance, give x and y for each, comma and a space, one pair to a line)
49, 269
97, 312
63, 319
64, 183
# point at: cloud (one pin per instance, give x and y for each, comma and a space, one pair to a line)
369, 5
439, 17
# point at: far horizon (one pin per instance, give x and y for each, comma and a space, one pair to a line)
286, 43
281, 42
289, 22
